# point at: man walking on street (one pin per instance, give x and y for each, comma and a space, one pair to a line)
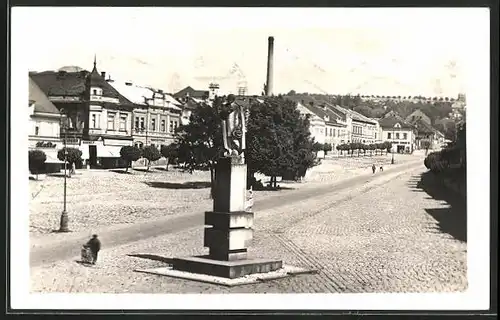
95, 245
373, 168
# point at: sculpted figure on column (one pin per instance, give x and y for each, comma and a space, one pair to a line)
233, 117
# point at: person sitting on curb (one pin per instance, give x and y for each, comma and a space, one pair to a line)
94, 245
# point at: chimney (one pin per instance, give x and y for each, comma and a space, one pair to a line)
103, 74
270, 58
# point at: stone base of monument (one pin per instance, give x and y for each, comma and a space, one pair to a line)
283, 272
227, 269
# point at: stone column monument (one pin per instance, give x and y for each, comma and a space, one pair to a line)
229, 227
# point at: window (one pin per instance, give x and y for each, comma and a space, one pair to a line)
123, 122
375, 136
37, 129
405, 136
94, 92
326, 132
397, 135
136, 123
163, 126
111, 121
94, 121
389, 135
142, 123
171, 127
153, 124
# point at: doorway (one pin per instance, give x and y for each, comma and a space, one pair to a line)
93, 156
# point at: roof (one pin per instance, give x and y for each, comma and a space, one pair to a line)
54, 83
391, 119
42, 103
192, 93
61, 83
423, 126
133, 93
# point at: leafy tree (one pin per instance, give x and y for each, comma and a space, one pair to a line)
129, 154
278, 140
291, 93
318, 147
200, 141
36, 161
150, 153
170, 152
327, 147
73, 155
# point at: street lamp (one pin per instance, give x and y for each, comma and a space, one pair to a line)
392, 149
63, 227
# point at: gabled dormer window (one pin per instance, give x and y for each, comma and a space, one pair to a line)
397, 125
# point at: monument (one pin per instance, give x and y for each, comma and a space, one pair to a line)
229, 226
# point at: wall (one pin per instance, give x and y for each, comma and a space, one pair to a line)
47, 128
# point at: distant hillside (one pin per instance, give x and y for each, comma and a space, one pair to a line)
376, 108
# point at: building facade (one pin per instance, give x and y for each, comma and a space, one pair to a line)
100, 119
400, 133
44, 127
156, 115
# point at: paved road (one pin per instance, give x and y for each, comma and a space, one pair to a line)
51, 252
384, 234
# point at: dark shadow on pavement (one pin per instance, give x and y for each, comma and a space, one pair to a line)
173, 185
85, 264
151, 170
152, 257
122, 171
452, 220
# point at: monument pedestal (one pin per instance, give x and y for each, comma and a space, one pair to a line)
228, 231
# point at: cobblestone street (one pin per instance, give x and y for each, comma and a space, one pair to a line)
375, 237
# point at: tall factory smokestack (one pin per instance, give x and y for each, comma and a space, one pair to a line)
270, 62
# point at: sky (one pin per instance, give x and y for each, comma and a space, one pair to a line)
331, 50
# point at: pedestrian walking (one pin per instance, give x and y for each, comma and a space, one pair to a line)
373, 168
94, 245
381, 169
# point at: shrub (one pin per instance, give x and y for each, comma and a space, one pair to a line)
129, 154
73, 155
36, 161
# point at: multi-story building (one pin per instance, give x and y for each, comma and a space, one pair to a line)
44, 124
400, 133
359, 129
100, 117
156, 114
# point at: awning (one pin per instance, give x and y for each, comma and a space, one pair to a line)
108, 152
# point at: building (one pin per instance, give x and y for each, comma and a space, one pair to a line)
359, 128
192, 93
400, 133
418, 114
44, 125
100, 118
156, 114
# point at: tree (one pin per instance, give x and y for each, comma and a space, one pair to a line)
129, 154
150, 153
318, 147
73, 155
36, 161
326, 148
170, 152
200, 141
291, 93
278, 140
